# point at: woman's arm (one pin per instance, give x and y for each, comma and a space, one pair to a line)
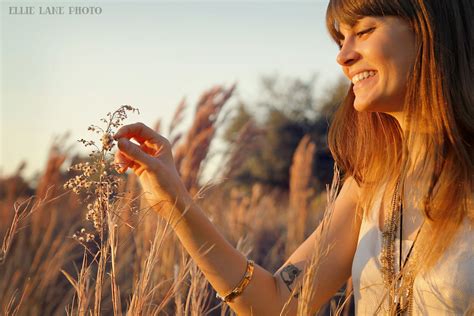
337, 242
221, 263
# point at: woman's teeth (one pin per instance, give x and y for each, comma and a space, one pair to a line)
362, 76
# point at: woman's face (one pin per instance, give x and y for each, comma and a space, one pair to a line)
377, 55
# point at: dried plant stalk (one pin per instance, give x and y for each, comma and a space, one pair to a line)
22, 210
190, 154
98, 181
300, 192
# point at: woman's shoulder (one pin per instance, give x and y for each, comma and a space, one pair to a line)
350, 188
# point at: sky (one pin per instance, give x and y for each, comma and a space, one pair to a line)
62, 72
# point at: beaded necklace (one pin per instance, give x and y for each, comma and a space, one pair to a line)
399, 285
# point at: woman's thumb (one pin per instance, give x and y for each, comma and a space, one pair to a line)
133, 152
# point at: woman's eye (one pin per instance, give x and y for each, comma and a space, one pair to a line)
358, 34
366, 31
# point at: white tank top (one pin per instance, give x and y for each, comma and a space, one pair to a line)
447, 289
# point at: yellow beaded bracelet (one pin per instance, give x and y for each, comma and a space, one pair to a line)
241, 286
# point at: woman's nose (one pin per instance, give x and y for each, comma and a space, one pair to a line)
347, 54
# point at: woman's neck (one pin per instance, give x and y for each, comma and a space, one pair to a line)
416, 151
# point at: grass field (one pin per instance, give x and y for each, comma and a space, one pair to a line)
104, 252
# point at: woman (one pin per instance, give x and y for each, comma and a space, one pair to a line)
404, 138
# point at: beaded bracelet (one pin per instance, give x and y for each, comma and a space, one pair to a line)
241, 286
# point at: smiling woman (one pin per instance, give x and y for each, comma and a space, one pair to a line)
405, 132
404, 137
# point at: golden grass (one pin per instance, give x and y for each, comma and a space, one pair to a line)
301, 193
135, 265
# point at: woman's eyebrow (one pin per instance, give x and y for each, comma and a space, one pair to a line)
348, 28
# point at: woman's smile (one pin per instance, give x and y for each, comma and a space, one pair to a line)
364, 80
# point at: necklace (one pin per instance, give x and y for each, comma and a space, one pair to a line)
400, 284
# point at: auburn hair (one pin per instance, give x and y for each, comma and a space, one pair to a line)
439, 114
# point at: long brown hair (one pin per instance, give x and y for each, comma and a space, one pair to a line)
439, 115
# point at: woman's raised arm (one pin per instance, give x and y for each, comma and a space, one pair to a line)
220, 262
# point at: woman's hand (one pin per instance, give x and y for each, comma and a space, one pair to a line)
152, 161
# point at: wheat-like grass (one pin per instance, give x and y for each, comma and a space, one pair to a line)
190, 154
300, 192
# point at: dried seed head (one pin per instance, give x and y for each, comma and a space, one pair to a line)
107, 141
97, 179
89, 237
83, 236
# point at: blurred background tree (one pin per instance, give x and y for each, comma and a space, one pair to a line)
287, 110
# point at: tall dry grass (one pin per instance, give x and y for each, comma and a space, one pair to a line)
194, 150
134, 265
36, 244
301, 193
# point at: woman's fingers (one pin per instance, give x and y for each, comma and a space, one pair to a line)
134, 153
150, 145
138, 131
122, 162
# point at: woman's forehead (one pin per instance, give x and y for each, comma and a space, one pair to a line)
342, 26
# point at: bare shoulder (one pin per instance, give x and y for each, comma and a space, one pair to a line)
350, 190
345, 204
344, 215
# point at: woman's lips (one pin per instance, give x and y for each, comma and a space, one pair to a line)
365, 82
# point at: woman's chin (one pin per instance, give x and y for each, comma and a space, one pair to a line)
361, 106
369, 105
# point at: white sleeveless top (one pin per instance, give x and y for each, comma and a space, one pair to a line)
447, 289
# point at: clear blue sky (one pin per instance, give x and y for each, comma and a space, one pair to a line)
64, 72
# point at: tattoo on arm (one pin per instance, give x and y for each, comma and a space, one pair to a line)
289, 274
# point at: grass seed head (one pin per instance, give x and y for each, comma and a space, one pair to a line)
97, 178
